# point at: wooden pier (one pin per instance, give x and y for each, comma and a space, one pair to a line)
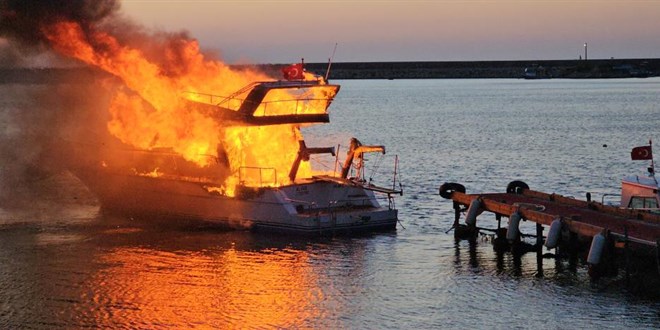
609, 228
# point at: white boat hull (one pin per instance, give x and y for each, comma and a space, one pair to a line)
311, 206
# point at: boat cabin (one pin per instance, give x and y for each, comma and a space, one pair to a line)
638, 192
270, 103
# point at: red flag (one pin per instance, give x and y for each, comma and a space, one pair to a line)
641, 153
293, 72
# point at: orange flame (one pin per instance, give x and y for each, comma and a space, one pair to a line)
153, 113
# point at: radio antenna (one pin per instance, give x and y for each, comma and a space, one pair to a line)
327, 72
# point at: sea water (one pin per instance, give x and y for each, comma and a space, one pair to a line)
63, 264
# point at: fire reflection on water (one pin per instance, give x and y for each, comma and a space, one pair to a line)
144, 287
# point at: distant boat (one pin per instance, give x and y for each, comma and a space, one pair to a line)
536, 72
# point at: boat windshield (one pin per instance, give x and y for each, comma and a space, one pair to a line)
274, 98
298, 101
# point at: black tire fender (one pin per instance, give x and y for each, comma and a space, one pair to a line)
447, 188
512, 187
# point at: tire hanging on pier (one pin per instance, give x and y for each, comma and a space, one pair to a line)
447, 188
516, 187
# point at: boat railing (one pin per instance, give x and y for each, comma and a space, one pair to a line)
257, 176
298, 106
254, 99
229, 102
225, 101
608, 199
294, 106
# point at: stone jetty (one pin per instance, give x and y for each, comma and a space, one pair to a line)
571, 69
599, 68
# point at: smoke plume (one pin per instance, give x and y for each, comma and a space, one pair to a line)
23, 20
135, 95
39, 107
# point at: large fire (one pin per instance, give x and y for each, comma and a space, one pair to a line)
152, 111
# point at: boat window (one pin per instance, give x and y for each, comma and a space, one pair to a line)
637, 202
304, 100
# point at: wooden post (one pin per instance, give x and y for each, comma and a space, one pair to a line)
572, 251
626, 255
657, 253
539, 250
457, 214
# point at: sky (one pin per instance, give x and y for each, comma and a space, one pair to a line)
260, 31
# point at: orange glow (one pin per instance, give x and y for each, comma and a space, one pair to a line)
222, 289
248, 147
152, 112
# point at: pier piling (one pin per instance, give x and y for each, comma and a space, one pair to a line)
539, 250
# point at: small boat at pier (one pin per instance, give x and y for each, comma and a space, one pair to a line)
641, 192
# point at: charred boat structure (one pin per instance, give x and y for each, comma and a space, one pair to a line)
159, 183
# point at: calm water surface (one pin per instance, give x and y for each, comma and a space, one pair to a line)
64, 265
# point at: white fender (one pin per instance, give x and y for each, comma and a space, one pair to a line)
596, 249
473, 211
513, 231
553, 234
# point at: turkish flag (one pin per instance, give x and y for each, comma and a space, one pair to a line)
293, 72
641, 153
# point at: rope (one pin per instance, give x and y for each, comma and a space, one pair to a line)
535, 207
376, 167
322, 164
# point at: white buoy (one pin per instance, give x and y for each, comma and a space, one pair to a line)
596, 249
553, 234
473, 211
513, 231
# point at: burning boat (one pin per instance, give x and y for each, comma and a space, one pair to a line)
159, 182
188, 137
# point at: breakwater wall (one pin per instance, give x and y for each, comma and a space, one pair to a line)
598, 68
576, 69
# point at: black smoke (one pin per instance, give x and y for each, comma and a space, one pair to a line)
23, 20
53, 119
39, 105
